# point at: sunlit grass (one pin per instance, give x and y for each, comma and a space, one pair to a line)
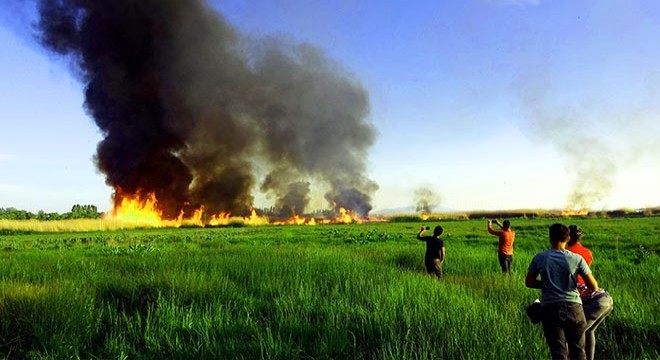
74, 225
335, 291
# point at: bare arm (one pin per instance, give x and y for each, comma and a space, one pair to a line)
419, 234
442, 254
531, 281
490, 229
591, 282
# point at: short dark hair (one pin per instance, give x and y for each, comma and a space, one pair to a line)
575, 234
506, 224
437, 231
559, 233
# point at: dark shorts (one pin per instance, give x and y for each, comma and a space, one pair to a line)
433, 267
505, 262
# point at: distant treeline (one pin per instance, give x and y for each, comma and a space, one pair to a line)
91, 212
77, 212
525, 214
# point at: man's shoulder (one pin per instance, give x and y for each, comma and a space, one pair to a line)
542, 255
573, 256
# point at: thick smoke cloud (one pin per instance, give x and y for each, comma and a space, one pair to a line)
188, 105
425, 199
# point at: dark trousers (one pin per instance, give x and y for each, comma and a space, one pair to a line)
505, 262
434, 267
563, 326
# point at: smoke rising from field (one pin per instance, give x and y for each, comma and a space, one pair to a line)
426, 199
187, 105
597, 142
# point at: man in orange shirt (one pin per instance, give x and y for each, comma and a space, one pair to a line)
597, 305
575, 246
505, 245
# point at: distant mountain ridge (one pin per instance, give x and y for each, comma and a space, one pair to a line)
408, 210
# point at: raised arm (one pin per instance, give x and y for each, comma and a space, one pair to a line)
419, 234
490, 228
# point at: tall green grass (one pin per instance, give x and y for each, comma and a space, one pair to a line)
349, 291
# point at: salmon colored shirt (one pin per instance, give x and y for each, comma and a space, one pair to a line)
577, 248
505, 246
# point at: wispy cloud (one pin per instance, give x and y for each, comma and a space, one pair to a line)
7, 157
515, 2
9, 188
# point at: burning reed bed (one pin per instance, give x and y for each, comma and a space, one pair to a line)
340, 291
85, 225
74, 225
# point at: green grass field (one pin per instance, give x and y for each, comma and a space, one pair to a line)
328, 291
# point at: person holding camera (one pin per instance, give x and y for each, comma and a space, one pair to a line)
435, 251
505, 245
562, 314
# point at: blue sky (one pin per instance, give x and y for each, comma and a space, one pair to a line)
491, 104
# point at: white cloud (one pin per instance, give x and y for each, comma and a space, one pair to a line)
9, 188
7, 157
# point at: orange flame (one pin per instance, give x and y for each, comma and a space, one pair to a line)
573, 212
296, 220
137, 209
143, 209
346, 217
219, 219
255, 219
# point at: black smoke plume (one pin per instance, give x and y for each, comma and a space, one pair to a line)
188, 105
425, 199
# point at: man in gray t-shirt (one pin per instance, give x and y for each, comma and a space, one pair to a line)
563, 318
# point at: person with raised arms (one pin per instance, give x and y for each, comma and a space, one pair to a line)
435, 251
505, 245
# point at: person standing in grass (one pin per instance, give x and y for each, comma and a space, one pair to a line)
575, 246
597, 305
505, 245
435, 251
563, 318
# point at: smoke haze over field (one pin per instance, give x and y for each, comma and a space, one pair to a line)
596, 142
187, 105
